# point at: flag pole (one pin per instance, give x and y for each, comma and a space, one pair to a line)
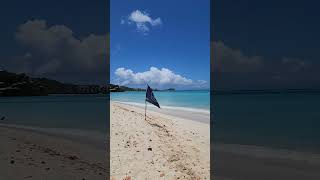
145, 106
145, 110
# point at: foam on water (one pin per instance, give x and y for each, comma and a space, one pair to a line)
196, 110
195, 100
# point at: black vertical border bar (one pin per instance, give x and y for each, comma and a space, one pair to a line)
211, 19
108, 93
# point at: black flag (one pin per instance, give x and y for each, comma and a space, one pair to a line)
150, 97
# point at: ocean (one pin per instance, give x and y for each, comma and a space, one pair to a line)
86, 112
78, 112
192, 99
290, 121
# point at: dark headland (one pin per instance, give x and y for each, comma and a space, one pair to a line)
12, 84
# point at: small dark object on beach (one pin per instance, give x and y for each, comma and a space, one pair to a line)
12, 161
42, 162
149, 149
2, 118
18, 150
73, 157
47, 150
47, 169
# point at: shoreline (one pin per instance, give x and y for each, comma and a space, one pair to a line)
267, 152
306, 149
193, 114
198, 110
90, 137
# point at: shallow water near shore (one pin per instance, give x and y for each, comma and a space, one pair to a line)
85, 112
196, 99
289, 121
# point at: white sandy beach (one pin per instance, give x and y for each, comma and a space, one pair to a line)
161, 147
165, 146
27, 154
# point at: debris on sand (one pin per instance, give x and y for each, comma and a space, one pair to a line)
73, 157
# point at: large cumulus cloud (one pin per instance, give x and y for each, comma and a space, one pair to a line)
163, 77
55, 50
233, 69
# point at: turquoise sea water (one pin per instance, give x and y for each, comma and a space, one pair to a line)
289, 121
279, 120
87, 112
186, 99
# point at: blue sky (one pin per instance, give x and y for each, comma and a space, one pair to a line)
177, 38
273, 28
268, 44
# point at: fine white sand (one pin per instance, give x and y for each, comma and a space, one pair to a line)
160, 147
28, 154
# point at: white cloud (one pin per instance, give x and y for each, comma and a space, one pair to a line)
155, 76
294, 64
55, 49
142, 20
227, 59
